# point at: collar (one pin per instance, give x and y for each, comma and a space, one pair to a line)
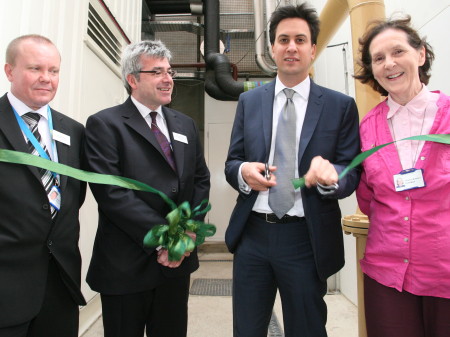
145, 111
416, 106
21, 108
302, 88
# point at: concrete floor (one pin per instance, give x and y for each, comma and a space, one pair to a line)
210, 316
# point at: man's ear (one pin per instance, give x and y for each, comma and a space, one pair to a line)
8, 71
131, 79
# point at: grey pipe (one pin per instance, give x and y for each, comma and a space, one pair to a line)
259, 40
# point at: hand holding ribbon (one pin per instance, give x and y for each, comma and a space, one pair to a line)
440, 138
173, 236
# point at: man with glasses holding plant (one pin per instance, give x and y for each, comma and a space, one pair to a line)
141, 289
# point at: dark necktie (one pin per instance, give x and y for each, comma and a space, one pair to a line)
47, 178
281, 196
163, 142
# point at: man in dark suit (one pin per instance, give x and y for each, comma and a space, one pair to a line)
143, 140
40, 263
293, 248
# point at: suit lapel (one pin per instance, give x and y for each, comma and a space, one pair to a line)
174, 125
313, 112
134, 120
267, 115
12, 132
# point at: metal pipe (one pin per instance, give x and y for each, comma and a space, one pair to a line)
270, 8
219, 82
234, 69
259, 40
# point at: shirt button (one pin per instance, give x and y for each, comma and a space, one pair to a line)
50, 242
406, 218
407, 198
406, 239
45, 206
174, 189
405, 260
422, 158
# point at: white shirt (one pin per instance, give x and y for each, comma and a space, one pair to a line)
160, 120
300, 100
44, 130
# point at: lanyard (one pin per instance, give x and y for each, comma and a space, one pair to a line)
26, 130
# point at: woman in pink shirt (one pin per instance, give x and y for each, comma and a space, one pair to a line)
407, 259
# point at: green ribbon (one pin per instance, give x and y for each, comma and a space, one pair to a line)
173, 236
180, 218
441, 138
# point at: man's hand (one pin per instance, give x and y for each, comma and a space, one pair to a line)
253, 174
163, 254
321, 171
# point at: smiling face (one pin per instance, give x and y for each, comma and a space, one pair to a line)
150, 90
34, 76
293, 51
395, 64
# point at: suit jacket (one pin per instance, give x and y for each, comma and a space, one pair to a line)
27, 231
330, 130
120, 142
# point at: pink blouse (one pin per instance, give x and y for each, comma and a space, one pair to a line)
408, 246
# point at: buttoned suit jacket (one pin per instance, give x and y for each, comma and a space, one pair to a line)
120, 142
27, 231
330, 130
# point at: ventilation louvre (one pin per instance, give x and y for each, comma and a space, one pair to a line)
103, 37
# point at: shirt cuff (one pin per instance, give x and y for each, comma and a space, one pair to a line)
243, 187
327, 189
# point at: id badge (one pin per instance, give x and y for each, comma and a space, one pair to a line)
54, 197
409, 179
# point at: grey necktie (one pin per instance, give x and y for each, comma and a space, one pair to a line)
281, 196
32, 119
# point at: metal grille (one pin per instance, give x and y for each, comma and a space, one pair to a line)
222, 287
211, 287
237, 34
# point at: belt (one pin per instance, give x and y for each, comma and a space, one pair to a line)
272, 218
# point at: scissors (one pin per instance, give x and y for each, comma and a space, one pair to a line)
267, 171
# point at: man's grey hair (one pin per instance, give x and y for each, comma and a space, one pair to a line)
131, 58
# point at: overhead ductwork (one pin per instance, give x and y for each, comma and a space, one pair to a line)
175, 6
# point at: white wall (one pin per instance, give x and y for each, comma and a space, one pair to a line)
219, 117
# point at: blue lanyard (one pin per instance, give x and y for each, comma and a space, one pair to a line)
26, 130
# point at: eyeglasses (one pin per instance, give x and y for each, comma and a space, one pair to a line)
160, 73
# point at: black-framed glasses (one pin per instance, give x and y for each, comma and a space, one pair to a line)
160, 73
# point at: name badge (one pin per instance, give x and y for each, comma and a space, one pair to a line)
409, 179
54, 197
61, 137
180, 137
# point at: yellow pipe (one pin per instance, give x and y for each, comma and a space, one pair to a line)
362, 13
332, 16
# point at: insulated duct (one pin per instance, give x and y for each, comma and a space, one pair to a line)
260, 55
175, 6
219, 82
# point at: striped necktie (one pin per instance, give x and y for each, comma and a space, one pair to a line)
47, 178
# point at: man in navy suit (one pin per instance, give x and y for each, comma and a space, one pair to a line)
140, 288
296, 251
